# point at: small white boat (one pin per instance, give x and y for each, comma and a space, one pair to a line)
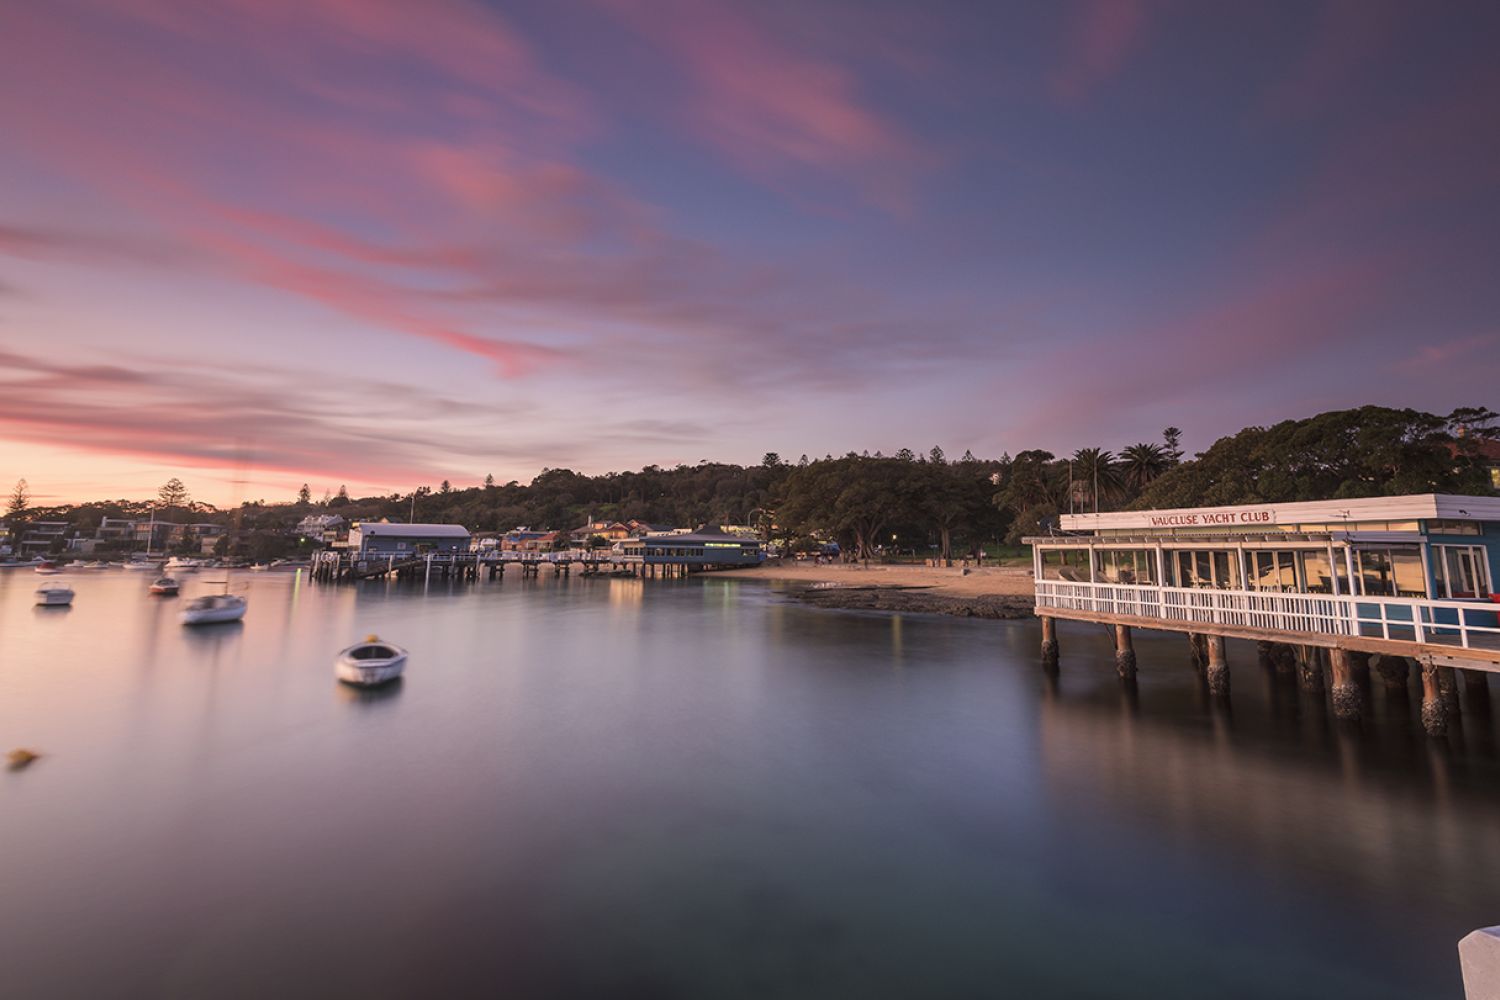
370, 663
213, 609
144, 565
164, 586
259, 568
47, 568
183, 565
54, 595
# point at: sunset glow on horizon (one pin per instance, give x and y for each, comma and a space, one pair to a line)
256, 243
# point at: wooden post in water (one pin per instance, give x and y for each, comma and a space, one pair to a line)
1197, 650
1448, 689
1434, 716
1310, 669
1394, 671
1217, 670
1124, 653
1476, 688
1049, 644
1346, 697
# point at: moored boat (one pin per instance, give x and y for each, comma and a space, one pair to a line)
143, 565
370, 663
214, 609
47, 568
54, 595
164, 586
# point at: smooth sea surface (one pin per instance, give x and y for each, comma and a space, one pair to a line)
702, 788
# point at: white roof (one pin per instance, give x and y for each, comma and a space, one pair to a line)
1414, 507
413, 530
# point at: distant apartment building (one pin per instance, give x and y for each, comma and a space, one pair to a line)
322, 528
41, 537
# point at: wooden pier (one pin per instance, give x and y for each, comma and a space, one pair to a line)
332, 566
1311, 635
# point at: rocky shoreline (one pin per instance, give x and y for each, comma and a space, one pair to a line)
919, 600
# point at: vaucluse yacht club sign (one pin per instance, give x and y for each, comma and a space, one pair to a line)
1214, 518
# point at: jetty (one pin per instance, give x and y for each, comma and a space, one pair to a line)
337, 566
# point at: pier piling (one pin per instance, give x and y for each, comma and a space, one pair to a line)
1217, 670
1124, 653
1049, 644
1434, 715
1346, 693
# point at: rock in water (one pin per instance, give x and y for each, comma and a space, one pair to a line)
21, 758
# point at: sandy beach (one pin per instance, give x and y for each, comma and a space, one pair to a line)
998, 581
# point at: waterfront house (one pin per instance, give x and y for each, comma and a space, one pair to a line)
381, 538
610, 531
526, 540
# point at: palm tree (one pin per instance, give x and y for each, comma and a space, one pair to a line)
1142, 463
1097, 475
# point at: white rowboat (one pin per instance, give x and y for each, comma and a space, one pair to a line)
370, 663
213, 609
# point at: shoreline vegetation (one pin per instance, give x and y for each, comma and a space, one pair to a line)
872, 507
1002, 592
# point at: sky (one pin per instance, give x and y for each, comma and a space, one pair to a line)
379, 244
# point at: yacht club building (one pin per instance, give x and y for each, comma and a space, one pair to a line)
1426, 546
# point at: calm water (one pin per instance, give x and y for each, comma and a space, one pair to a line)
699, 789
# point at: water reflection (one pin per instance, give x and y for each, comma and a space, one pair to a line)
683, 787
369, 697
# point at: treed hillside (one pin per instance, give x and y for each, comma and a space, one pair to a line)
925, 501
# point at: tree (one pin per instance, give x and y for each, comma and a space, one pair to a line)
172, 493
445, 487
341, 498
905, 455
936, 456
1364, 452
1173, 439
1096, 475
1142, 463
304, 495
489, 481
20, 498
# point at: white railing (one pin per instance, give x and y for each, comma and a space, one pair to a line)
1467, 624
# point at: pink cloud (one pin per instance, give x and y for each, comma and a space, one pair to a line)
775, 110
1101, 35
1482, 349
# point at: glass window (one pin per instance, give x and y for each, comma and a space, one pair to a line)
1274, 571
1227, 570
1453, 527
1126, 566
1066, 564
1316, 571
1461, 572
1375, 576
1406, 565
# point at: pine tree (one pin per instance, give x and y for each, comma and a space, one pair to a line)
304, 495
20, 498
489, 481
172, 493
1173, 438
